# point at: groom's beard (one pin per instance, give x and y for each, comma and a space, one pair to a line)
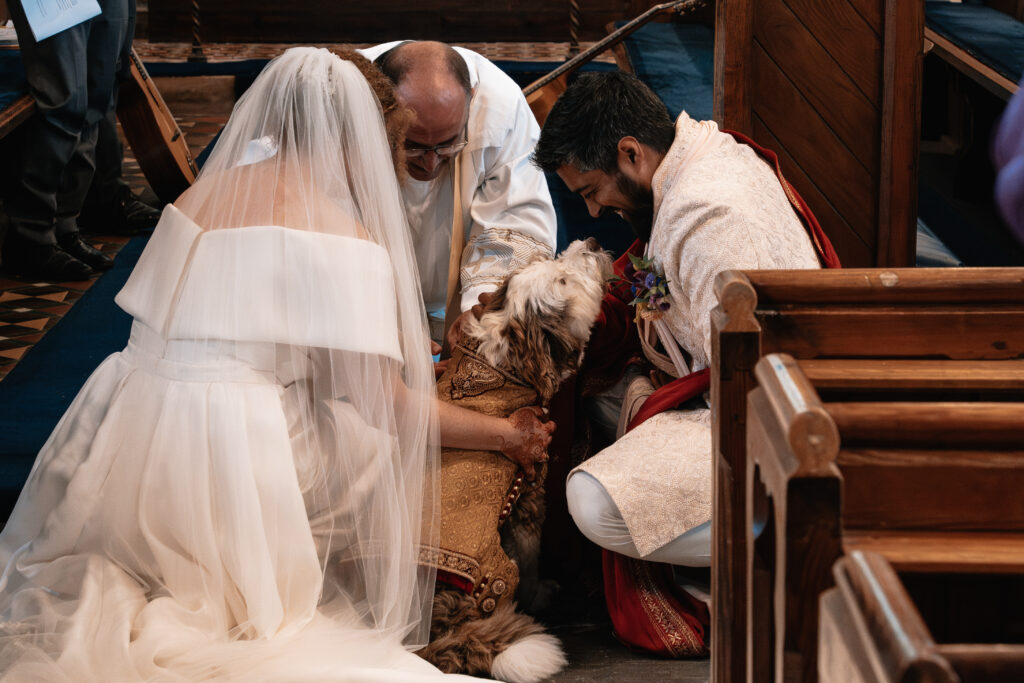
641, 214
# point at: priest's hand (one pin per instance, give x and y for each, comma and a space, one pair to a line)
527, 443
476, 311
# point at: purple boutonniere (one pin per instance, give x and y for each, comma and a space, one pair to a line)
649, 287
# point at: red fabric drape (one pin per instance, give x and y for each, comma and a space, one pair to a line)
649, 611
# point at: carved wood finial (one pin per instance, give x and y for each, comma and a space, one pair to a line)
737, 299
810, 431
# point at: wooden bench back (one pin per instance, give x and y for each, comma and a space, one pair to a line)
906, 465
964, 313
928, 484
831, 320
873, 628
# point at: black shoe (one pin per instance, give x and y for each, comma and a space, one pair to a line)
72, 243
43, 262
124, 215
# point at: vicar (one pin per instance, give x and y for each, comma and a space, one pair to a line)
703, 202
468, 156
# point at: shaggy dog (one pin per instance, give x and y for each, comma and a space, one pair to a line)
529, 339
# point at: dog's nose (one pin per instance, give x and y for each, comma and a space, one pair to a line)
592, 244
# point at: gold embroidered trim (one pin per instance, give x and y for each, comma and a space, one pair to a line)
451, 561
470, 352
673, 630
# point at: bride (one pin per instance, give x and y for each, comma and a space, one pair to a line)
243, 491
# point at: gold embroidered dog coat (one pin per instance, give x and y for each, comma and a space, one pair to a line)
478, 488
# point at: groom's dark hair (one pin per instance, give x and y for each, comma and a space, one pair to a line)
588, 120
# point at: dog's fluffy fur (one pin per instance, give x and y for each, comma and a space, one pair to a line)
535, 328
539, 320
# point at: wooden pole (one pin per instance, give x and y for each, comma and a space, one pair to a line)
574, 28
197, 45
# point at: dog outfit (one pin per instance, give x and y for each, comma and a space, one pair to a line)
478, 488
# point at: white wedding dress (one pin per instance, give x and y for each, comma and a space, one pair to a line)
240, 494
127, 494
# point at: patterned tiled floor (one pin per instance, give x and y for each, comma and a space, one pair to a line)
29, 309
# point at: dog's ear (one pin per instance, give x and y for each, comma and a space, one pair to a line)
498, 297
542, 351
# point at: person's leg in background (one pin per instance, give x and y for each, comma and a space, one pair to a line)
110, 207
55, 69
107, 36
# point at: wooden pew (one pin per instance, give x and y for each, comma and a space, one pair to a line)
905, 315
874, 631
942, 479
16, 113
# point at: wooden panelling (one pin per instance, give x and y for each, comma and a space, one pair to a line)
846, 241
902, 479
734, 37
862, 332
812, 144
871, 10
848, 37
819, 78
327, 21
980, 288
900, 133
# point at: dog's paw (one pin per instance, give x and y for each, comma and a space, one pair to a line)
530, 659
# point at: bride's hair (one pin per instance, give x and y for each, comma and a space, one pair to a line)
397, 116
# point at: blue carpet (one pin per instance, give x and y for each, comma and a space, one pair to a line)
35, 394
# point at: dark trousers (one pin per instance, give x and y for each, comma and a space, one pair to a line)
72, 76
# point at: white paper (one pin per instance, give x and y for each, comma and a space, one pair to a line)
49, 17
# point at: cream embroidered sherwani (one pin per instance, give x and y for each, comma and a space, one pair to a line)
506, 207
717, 206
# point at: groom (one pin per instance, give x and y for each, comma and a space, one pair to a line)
701, 201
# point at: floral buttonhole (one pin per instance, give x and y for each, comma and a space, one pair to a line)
649, 288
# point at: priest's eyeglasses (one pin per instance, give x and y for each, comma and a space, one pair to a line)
445, 150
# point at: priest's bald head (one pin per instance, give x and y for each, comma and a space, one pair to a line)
433, 81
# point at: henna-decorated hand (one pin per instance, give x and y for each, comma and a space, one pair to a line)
528, 444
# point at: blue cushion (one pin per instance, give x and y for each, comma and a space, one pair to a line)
12, 77
677, 61
992, 37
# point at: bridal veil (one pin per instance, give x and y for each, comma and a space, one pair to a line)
242, 492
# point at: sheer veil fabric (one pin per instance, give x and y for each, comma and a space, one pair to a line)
241, 494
